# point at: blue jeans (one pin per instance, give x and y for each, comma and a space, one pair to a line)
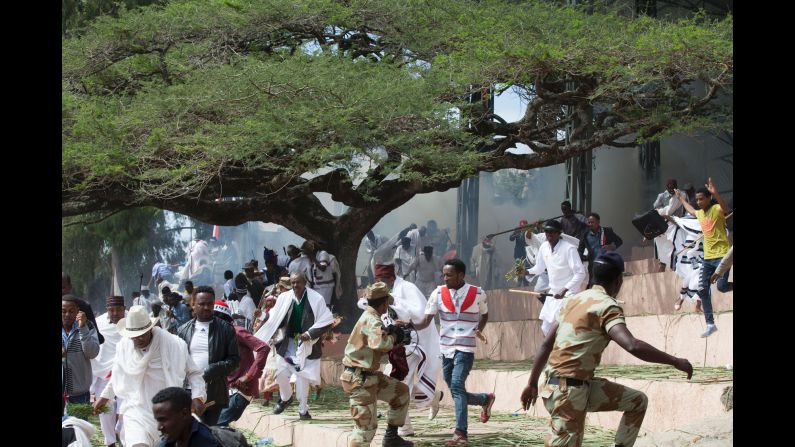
455, 372
233, 411
80, 398
708, 267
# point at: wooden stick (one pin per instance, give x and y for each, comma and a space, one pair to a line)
526, 292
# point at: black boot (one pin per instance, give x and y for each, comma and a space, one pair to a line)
391, 438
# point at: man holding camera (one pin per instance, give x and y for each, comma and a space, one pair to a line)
364, 383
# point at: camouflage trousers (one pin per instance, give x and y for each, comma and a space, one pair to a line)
567, 406
363, 396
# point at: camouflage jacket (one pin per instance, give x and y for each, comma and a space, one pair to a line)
583, 323
367, 344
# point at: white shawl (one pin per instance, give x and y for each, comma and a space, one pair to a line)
84, 430
533, 244
284, 301
129, 369
102, 363
309, 369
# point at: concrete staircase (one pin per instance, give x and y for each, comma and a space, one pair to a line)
503, 364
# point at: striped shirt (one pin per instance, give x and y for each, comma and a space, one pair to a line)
459, 313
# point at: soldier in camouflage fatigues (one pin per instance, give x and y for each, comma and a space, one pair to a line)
587, 322
364, 383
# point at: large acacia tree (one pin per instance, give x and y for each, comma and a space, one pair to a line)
270, 102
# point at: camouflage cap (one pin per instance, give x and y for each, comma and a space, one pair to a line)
377, 291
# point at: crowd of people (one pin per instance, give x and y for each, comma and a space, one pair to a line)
187, 360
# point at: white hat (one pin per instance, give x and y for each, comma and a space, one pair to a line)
136, 323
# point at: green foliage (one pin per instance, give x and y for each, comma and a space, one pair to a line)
137, 236
160, 100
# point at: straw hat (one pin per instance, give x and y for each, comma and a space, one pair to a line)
136, 323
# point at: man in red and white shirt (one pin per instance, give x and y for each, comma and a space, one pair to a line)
463, 314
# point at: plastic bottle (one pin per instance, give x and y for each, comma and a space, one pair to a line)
264, 441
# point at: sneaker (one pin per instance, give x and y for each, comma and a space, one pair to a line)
485, 413
434, 410
304, 416
711, 328
281, 405
458, 439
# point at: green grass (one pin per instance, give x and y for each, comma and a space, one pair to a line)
638, 372
503, 430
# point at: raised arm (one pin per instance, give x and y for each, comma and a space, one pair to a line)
685, 203
714, 191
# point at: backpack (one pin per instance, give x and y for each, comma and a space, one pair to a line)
229, 437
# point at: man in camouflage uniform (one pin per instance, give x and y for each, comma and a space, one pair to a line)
364, 383
574, 345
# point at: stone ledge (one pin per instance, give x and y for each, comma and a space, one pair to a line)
672, 403
678, 334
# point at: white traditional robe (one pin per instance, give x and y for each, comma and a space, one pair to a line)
283, 306
100, 367
565, 270
137, 375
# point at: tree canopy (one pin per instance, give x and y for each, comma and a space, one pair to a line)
177, 105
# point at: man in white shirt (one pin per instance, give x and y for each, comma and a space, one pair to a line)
372, 242
303, 264
247, 309
147, 360
145, 300
102, 364
326, 280
212, 344
404, 258
566, 273
463, 314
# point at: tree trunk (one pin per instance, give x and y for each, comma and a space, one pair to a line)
344, 244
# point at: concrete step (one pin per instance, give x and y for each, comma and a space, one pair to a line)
643, 294
666, 388
678, 335
645, 251
673, 402
332, 426
641, 266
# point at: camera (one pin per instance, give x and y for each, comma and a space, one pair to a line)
402, 334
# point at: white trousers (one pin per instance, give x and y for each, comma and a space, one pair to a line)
108, 422
301, 388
